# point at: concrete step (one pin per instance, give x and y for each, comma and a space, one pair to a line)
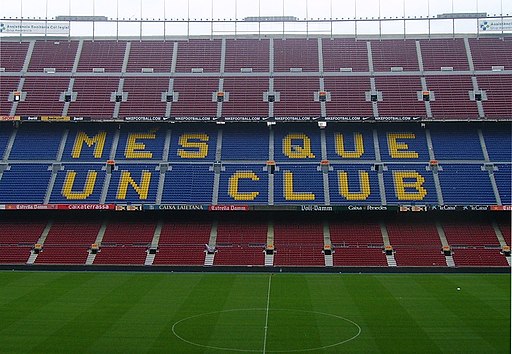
208, 259
269, 260
149, 259
328, 260
90, 258
391, 260
32, 258
449, 261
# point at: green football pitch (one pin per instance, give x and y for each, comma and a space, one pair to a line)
104, 312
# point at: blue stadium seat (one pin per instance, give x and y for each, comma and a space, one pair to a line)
456, 143
499, 143
503, 178
466, 184
5, 133
36, 142
190, 183
25, 183
245, 142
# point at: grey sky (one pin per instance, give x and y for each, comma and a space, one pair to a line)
229, 9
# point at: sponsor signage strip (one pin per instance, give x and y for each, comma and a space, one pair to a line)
227, 208
34, 27
488, 25
229, 119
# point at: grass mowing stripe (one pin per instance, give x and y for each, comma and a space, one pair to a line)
385, 316
292, 330
266, 314
469, 319
34, 295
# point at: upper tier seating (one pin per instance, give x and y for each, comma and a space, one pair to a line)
108, 55
198, 53
43, 95
247, 53
156, 55
341, 53
8, 85
59, 55
296, 53
137, 68
394, 53
13, 55
438, 53
491, 52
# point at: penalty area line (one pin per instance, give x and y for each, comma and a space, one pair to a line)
266, 314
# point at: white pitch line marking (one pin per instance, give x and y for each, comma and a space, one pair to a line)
266, 314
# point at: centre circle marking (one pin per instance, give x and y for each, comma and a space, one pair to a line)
174, 331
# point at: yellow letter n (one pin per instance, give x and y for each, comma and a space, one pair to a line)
126, 179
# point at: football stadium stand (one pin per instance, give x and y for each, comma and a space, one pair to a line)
298, 125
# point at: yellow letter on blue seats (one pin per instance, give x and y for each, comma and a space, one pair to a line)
69, 181
142, 189
401, 185
299, 151
400, 150
201, 146
340, 146
233, 185
364, 186
289, 194
132, 145
82, 137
